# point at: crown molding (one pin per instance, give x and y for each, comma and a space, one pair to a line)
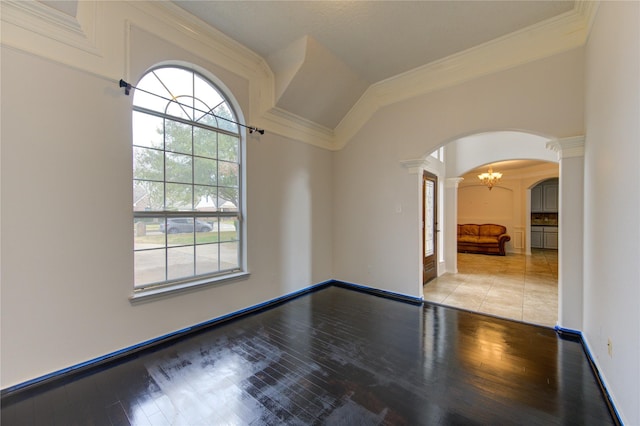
96, 41
293, 126
211, 43
24, 21
567, 147
547, 38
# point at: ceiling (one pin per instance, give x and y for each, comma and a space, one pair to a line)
325, 54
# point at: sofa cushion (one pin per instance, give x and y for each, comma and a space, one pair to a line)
468, 239
488, 240
492, 230
469, 229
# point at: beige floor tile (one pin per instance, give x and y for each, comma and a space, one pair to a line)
436, 296
519, 287
547, 317
465, 301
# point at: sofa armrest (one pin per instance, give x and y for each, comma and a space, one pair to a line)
502, 240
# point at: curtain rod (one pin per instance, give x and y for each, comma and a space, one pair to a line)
127, 91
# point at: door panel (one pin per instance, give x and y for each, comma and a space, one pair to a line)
429, 226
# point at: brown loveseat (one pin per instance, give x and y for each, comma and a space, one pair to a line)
487, 238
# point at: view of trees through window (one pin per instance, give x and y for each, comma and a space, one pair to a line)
186, 187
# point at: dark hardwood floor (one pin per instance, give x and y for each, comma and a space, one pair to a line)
337, 357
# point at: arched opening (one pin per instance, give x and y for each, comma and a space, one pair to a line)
525, 160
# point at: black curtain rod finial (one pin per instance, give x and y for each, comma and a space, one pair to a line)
255, 129
127, 86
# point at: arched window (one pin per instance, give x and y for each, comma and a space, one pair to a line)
186, 181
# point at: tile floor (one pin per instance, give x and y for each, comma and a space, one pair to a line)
515, 286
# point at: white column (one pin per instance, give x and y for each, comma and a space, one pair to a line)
450, 226
570, 231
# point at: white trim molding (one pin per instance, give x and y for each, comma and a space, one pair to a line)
562, 33
567, 147
453, 182
415, 166
96, 41
35, 19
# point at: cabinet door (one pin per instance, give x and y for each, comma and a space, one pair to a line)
536, 239
536, 199
550, 198
551, 240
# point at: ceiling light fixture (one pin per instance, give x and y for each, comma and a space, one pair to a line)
490, 178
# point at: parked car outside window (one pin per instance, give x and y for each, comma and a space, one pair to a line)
185, 225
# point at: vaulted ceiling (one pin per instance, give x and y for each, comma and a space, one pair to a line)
325, 54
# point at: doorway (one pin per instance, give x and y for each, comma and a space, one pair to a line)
429, 226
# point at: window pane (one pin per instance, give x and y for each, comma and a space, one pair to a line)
148, 233
204, 171
148, 164
179, 231
228, 147
229, 255
179, 197
150, 83
148, 196
228, 229
201, 110
205, 142
180, 262
207, 259
205, 233
181, 107
147, 130
223, 112
205, 198
227, 174
227, 199
178, 136
149, 266
178, 81
179, 168
205, 91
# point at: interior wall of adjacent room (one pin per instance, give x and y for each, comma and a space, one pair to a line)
506, 203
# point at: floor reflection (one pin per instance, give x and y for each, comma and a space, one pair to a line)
335, 356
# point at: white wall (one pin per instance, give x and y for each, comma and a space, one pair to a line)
374, 244
67, 244
612, 201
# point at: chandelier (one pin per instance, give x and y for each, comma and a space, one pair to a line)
490, 178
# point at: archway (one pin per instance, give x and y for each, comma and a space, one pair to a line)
464, 153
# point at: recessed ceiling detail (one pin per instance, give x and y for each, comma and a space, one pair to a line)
313, 83
336, 62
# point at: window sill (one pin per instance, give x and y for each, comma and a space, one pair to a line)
157, 293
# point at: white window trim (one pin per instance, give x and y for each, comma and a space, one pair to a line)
172, 289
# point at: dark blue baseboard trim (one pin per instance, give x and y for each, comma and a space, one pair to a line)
576, 334
380, 293
121, 354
